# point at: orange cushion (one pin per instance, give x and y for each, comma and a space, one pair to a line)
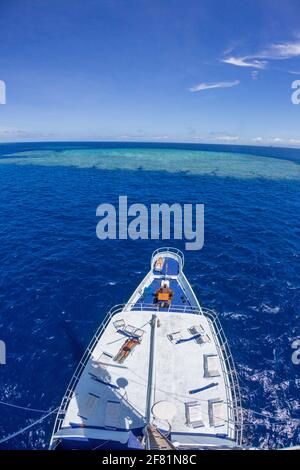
162, 296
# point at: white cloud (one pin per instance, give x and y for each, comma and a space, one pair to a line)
285, 50
278, 51
286, 142
228, 138
245, 62
13, 134
254, 74
295, 142
11, 130
223, 137
210, 86
294, 72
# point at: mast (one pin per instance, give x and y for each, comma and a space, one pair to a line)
151, 370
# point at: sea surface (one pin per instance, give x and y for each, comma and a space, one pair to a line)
57, 279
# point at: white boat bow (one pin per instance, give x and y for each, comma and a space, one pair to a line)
160, 361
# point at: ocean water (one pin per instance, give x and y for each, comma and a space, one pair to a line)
57, 280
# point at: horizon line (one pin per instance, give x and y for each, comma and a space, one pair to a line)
156, 142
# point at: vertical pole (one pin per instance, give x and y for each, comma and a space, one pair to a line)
151, 370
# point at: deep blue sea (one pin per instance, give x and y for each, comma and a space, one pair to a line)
57, 279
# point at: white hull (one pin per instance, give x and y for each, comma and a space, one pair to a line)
178, 375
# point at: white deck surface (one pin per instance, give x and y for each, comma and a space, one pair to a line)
159, 373
177, 370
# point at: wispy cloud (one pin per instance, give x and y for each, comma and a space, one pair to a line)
227, 138
279, 141
12, 134
11, 131
285, 50
223, 137
294, 72
260, 60
210, 86
254, 74
245, 62
295, 142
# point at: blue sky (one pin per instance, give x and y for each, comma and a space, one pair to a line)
159, 70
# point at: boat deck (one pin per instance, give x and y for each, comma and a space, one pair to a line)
148, 295
110, 395
170, 267
154, 363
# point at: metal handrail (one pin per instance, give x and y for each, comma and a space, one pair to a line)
141, 306
79, 369
233, 393
232, 386
168, 249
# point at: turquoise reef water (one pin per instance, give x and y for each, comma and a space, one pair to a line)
191, 162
